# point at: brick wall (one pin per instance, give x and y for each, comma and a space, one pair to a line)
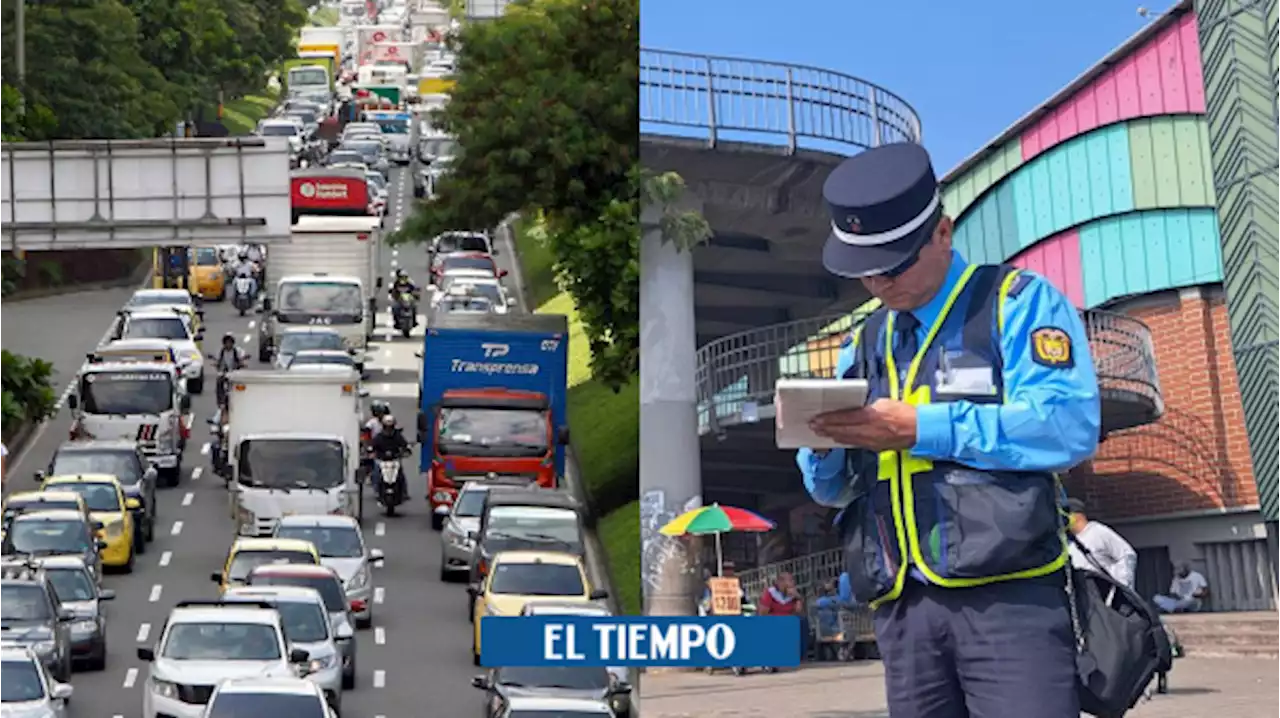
1197, 456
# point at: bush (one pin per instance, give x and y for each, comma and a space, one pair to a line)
28, 396
620, 532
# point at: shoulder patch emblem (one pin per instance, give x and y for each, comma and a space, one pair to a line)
1051, 347
1020, 283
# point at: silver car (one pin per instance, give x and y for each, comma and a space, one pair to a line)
296, 339
340, 543
457, 543
80, 594
28, 689
324, 580
306, 626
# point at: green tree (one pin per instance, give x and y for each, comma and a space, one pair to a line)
545, 110
24, 120
192, 44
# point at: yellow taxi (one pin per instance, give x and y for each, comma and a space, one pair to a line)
25, 502
205, 276
108, 505
517, 578
248, 553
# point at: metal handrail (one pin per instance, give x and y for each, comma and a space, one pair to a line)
738, 99
736, 373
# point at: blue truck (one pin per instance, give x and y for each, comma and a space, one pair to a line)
491, 401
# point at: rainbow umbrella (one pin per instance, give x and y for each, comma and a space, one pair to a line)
715, 519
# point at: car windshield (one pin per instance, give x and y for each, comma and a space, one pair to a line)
71, 584
439, 148
23, 507
308, 76
330, 541
485, 290
533, 523
536, 579
126, 392
20, 681
23, 602
304, 622
246, 561
465, 305
367, 150
48, 536
222, 641
121, 464
321, 298
377, 180
306, 116
583, 678
205, 257
305, 358
277, 705
482, 263
335, 601
280, 129
288, 464
469, 504
394, 127
294, 343
156, 328
466, 430
462, 243
151, 299
338, 157
98, 497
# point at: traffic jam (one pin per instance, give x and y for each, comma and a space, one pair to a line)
291, 481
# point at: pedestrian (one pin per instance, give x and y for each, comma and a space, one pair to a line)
1187, 592
783, 599
1107, 547
981, 388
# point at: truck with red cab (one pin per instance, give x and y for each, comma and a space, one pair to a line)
492, 402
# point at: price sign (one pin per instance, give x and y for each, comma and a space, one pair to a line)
726, 596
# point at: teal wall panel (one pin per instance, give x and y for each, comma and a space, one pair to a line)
1149, 251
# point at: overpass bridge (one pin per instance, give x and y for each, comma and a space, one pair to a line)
754, 142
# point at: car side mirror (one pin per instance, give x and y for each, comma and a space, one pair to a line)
98, 526
622, 687
418, 354
39, 476
481, 682
66, 614
472, 535
362, 392
199, 335
132, 504
598, 595
62, 691
216, 578
106, 594
344, 632
298, 655
146, 654
102, 545
73, 402
473, 589
562, 435
502, 273
376, 557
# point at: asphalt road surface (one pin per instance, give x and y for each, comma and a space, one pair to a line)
416, 659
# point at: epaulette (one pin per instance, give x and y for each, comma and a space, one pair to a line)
1020, 282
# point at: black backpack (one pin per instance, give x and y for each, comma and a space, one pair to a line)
1121, 643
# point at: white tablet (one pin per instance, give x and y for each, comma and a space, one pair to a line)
797, 401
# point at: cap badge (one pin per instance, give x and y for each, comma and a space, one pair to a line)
855, 224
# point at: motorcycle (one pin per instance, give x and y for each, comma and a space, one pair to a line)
404, 314
392, 484
217, 448
244, 294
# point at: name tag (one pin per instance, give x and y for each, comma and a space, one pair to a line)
962, 374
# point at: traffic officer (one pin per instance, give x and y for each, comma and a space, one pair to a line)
980, 389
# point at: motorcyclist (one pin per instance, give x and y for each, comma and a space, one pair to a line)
377, 409
401, 284
231, 357
388, 443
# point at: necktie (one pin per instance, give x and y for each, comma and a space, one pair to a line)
905, 343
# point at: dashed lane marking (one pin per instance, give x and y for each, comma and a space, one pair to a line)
156, 590
379, 594
379, 679
386, 370
177, 528
252, 323
165, 558
204, 449
188, 498
380, 529
143, 631
196, 472
380, 635
130, 677
248, 338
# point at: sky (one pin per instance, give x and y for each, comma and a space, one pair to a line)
970, 68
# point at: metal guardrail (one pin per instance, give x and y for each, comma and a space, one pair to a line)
742, 100
736, 373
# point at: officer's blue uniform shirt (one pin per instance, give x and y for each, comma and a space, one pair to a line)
1049, 421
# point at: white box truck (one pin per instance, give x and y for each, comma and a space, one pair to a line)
293, 444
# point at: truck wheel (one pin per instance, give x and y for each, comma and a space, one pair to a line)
437, 522
171, 476
196, 386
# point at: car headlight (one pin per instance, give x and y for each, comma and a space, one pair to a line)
163, 689
193, 357
87, 625
43, 648
360, 580
441, 496
115, 529
322, 663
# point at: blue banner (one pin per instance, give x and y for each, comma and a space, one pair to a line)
714, 641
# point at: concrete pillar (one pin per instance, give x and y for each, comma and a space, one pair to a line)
670, 463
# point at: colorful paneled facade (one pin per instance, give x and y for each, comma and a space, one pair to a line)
1108, 192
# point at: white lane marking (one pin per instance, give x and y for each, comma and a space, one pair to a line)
386, 388
205, 448
252, 323
395, 253
387, 352
380, 529
379, 594
130, 677
156, 590
395, 262
188, 498
380, 635
379, 679
143, 631
177, 528
248, 338
195, 473
165, 558
386, 370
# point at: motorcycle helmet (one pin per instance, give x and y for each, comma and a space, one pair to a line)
388, 421
380, 408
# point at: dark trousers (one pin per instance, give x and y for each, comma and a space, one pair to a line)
1000, 651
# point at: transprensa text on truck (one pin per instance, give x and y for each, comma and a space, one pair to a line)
463, 366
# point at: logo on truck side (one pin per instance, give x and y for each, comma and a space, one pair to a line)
493, 351
550, 345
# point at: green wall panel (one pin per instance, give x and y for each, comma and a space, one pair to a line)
1170, 162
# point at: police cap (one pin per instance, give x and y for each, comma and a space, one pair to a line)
884, 206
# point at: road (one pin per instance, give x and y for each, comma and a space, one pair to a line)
419, 647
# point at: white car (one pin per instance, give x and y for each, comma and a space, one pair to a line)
174, 326
341, 546
29, 690
207, 642
453, 285
161, 298
322, 360
287, 128
292, 697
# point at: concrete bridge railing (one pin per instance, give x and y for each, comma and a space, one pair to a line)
728, 99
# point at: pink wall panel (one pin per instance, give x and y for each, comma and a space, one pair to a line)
1164, 76
1058, 260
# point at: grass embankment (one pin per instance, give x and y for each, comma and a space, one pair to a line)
605, 428
241, 116
324, 16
